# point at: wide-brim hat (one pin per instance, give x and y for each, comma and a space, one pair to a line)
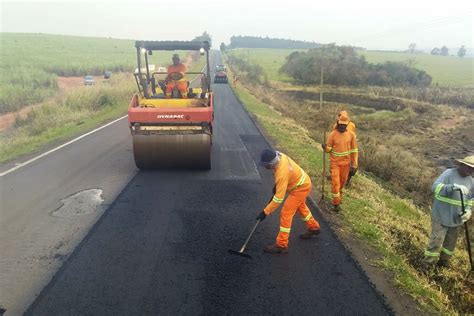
468, 161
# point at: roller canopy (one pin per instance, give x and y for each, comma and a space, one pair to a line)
173, 45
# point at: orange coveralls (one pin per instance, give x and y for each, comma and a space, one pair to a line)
181, 85
343, 151
290, 178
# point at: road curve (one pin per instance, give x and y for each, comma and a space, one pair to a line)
161, 245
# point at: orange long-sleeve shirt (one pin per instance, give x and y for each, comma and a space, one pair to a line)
178, 68
350, 127
342, 148
288, 177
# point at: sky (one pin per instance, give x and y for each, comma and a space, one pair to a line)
384, 25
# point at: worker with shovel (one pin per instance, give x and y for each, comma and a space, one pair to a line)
350, 127
454, 189
342, 148
292, 179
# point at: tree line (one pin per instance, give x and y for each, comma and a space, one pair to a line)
343, 66
267, 42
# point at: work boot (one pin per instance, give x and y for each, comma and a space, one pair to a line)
309, 233
336, 208
443, 263
275, 249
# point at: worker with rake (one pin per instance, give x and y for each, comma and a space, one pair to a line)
352, 128
342, 148
453, 189
292, 179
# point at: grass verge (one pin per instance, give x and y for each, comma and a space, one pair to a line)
65, 117
395, 227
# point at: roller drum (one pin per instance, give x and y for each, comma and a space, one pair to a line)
163, 151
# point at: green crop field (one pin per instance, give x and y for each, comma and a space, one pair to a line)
445, 70
270, 59
30, 63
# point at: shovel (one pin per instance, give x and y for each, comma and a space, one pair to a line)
468, 242
241, 251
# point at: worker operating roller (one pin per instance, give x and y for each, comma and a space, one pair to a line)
290, 179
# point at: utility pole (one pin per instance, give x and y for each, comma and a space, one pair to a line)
321, 90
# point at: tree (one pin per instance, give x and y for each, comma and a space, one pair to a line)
435, 51
203, 37
223, 47
411, 48
462, 51
444, 51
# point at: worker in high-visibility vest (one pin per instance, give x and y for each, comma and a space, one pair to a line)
290, 179
176, 76
350, 127
447, 215
342, 148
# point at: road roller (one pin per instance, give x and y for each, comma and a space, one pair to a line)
171, 128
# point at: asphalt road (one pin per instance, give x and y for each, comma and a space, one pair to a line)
160, 246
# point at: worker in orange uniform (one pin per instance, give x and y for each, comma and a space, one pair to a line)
342, 148
292, 179
175, 76
350, 127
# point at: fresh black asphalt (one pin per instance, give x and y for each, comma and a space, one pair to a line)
161, 246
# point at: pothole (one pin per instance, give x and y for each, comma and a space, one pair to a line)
82, 203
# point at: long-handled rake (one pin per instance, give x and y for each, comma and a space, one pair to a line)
241, 251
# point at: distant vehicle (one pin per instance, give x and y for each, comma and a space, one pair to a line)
89, 81
107, 74
221, 74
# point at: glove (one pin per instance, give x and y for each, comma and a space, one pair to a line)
323, 146
352, 172
461, 187
466, 216
261, 216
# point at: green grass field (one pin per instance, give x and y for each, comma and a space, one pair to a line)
270, 59
445, 70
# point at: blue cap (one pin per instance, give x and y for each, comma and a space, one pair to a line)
267, 156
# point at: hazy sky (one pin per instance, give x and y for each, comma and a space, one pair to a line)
368, 23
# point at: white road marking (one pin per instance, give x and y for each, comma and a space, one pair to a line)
20, 165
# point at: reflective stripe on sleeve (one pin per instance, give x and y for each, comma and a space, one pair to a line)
438, 188
277, 200
285, 230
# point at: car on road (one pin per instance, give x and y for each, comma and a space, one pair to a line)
107, 74
89, 81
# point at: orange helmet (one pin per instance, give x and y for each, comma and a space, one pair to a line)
343, 119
